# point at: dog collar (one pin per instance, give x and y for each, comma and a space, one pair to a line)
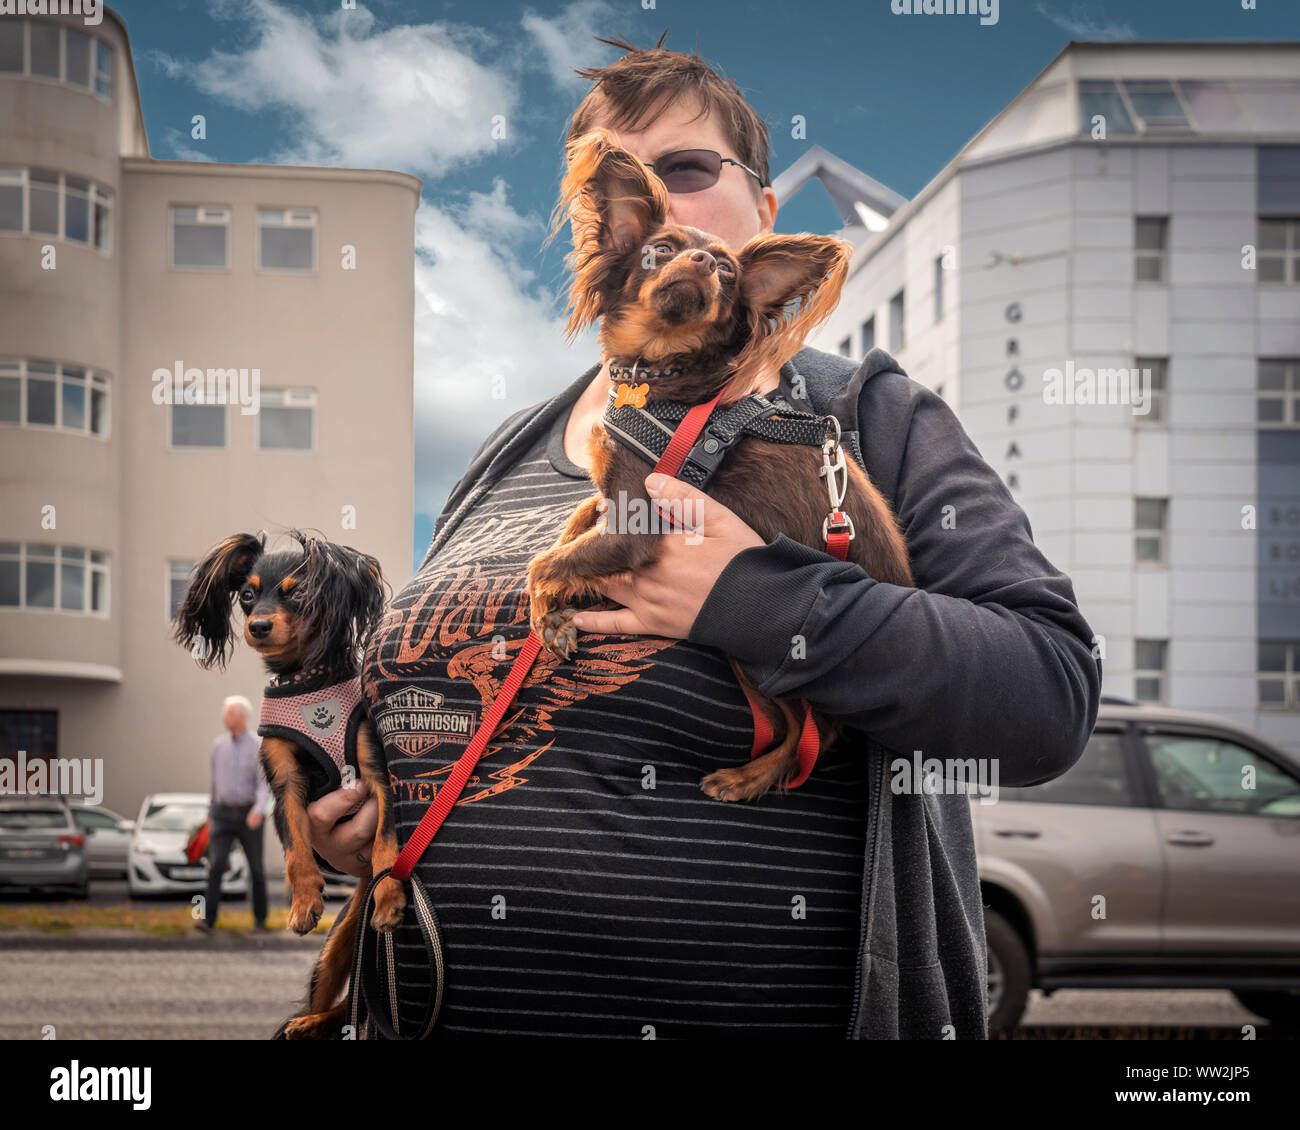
647, 428
637, 372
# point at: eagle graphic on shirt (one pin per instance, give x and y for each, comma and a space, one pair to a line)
469, 595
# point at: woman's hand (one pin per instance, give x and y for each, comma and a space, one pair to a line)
663, 599
338, 844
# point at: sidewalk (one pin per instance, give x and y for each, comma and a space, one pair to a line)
125, 938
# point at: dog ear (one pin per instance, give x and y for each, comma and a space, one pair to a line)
789, 284
344, 597
613, 202
208, 604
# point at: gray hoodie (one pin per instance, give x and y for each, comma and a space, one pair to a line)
987, 658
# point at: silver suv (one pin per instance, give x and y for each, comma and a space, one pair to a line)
1168, 856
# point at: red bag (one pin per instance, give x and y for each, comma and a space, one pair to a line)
198, 844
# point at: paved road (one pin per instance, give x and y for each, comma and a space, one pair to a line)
182, 992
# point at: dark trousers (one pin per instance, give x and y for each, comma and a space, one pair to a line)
229, 824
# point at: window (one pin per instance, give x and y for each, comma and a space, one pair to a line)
46, 394
938, 288
286, 239
36, 731
200, 237
39, 49
43, 202
1149, 521
1279, 674
1206, 773
34, 575
846, 347
1103, 99
48, 203
286, 420
76, 59
1148, 105
868, 336
12, 35
896, 341
43, 50
1156, 104
103, 69
76, 209
1279, 389
198, 425
1153, 372
1099, 777
1278, 251
178, 580
1149, 670
1150, 240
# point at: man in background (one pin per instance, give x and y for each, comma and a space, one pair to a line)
241, 800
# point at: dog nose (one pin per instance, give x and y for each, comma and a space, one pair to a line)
259, 629
703, 262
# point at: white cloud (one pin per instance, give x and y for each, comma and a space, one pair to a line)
482, 324
178, 147
1083, 21
412, 98
567, 40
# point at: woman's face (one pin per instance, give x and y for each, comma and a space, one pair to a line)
728, 209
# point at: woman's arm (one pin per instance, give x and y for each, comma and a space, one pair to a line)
988, 657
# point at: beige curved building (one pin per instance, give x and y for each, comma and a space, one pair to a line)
292, 286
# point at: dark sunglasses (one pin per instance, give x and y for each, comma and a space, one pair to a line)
693, 170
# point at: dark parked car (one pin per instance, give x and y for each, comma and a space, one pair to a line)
41, 847
1167, 857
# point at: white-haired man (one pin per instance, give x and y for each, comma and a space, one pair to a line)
241, 800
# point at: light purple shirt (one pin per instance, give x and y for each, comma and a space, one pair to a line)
236, 776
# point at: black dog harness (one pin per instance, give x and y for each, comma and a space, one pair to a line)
647, 426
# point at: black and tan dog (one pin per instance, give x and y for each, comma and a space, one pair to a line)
308, 614
696, 317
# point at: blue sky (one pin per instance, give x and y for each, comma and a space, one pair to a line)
409, 86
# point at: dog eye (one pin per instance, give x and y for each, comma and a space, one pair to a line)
664, 249
247, 596
725, 268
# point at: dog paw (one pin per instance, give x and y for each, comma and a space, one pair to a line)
557, 633
318, 1026
390, 906
734, 784
305, 913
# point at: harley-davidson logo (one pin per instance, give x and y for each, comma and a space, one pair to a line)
415, 721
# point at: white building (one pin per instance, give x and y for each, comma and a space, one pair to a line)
1136, 208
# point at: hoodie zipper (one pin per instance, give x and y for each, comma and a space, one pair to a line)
874, 802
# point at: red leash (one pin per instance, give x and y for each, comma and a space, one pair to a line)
683, 439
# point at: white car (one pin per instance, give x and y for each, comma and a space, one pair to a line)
156, 863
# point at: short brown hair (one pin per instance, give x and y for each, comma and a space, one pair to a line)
634, 91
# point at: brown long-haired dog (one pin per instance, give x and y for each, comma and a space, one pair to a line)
308, 614
700, 318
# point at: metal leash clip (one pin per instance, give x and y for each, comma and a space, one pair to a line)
836, 472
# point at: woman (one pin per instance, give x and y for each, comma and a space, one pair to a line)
585, 884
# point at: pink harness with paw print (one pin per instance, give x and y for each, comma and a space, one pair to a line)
321, 720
